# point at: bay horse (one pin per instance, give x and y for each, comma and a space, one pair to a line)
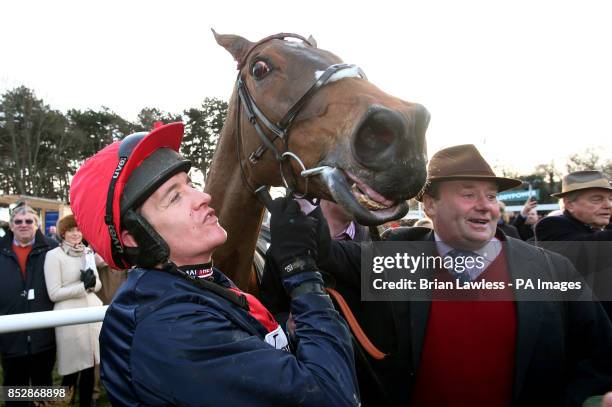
296, 107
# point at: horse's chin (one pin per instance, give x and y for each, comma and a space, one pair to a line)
368, 213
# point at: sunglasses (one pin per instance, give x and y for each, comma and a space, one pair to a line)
20, 221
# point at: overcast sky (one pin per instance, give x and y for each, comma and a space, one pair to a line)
527, 81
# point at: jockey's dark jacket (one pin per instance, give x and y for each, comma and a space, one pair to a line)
166, 341
14, 296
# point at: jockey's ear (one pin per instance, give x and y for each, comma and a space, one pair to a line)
128, 239
234, 44
312, 41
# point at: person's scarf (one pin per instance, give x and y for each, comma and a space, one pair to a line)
80, 250
73, 250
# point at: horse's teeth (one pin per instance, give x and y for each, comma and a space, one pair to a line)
365, 200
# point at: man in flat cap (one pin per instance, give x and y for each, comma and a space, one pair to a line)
508, 351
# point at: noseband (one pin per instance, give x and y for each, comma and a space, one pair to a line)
279, 130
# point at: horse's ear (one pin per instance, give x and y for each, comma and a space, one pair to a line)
312, 41
234, 44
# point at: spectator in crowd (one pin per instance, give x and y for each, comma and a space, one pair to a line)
579, 233
554, 353
525, 221
52, 234
587, 199
27, 356
341, 224
504, 222
72, 280
179, 332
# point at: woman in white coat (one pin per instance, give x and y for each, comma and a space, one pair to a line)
72, 279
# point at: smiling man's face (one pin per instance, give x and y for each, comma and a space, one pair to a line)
465, 212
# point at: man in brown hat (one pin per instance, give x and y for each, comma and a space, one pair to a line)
587, 198
513, 351
461, 196
579, 232
505, 339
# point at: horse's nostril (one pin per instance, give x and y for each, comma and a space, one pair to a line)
377, 137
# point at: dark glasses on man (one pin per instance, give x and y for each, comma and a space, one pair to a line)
20, 221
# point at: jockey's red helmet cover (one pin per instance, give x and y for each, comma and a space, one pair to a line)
90, 185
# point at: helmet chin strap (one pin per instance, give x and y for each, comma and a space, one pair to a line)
152, 249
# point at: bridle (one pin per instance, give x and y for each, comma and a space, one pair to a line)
281, 129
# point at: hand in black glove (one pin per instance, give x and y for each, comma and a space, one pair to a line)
88, 278
293, 237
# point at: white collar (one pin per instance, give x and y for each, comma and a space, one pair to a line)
489, 251
30, 243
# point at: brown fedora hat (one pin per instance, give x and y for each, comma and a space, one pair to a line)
463, 162
579, 180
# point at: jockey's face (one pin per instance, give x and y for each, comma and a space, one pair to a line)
465, 212
181, 215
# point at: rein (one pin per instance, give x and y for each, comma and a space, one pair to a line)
361, 337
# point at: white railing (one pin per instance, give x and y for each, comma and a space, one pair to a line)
50, 319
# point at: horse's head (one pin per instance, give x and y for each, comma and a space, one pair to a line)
327, 115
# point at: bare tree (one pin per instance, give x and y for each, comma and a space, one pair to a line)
32, 136
589, 159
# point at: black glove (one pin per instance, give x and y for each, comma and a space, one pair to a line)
324, 240
88, 278
293, 238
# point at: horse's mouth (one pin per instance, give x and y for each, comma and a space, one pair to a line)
367, 206
366, 195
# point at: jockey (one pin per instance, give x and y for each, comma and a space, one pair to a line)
179, 332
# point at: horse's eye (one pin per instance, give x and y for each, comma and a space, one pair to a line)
260, 69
